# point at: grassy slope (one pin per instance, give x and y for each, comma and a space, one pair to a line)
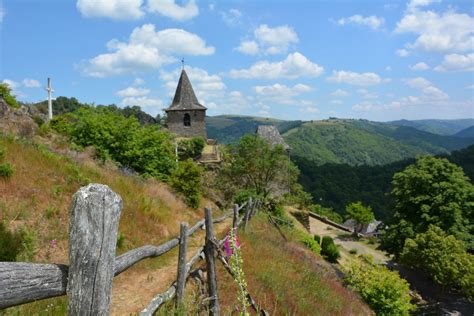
357, 142
285, 278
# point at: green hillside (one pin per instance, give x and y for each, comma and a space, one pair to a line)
361, 142
441, 127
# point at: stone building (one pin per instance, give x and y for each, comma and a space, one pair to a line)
186, 116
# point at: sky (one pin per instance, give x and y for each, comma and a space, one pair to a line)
284, 59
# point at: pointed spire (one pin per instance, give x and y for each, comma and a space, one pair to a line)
184, 97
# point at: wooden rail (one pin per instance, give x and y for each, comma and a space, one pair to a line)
93, 227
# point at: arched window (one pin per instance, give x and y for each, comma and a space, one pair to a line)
187, 120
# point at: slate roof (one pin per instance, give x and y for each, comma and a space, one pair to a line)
271, 134
184, 97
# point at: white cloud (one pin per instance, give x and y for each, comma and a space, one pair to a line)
138, 82
470, 87
340, 93
114, 9
133, 92
248, 48
354, 78
279, 90
447, 32
11, 83
421, 66
269, 41
309, 109
31, 83
336, 102
457, 62
365, 106
415, 4
402, 52
294, 66
142, 102
366, 94
170, 9
372, 21
236, 94
2, 13
146, 50
430, 92
231, 17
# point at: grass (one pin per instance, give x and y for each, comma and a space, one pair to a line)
285, 278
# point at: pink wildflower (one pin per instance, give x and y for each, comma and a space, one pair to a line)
228, 247
53, 243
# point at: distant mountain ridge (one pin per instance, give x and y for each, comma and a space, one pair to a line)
466, 133
353, 142
441, 127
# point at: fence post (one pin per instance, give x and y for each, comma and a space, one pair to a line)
214, 308
248, 209
236, 217
93, 225
183, 248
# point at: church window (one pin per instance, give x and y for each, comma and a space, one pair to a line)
187, 120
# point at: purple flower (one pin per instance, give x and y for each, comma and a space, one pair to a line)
53, 243
228, 247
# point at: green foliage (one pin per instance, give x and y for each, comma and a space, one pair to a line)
29, 243
10, 244
146, 150
5, 92
120, 240
363, 215
326, 212
353, 251
6, 170
443, 257
383, 290
317, 238
244, 195
61, 105
186, 179
312, 244
190, 148
432, 191
38, 120
329, 249
255, 164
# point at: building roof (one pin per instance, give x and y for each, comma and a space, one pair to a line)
271, 134
184, 97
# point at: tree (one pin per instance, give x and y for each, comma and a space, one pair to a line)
432, 191
186, 179
255, 164
362, 215
443, 257
5, 93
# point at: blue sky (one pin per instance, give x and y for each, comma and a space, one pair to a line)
285, 59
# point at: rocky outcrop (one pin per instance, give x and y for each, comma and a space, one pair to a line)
16, 121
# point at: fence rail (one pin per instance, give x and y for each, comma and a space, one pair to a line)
87, 281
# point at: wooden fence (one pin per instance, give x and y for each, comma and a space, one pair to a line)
93, 226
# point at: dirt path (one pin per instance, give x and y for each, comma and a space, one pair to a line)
135, 288
323, 229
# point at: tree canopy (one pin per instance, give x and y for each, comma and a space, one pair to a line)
363, 215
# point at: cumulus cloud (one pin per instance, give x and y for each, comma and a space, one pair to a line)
31, 83
133, 92
142, 102
415, 4
294, 66
421, 66
114, 9
429, 91
269, 40
372, 21
366, 94
231, 17
340, 93
457, 62
146, 50
170, 9
354, 78
402, 52
446, 32
138, 82
280, 90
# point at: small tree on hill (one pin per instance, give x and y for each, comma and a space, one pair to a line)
361, 214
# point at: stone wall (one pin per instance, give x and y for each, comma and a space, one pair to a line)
198, 123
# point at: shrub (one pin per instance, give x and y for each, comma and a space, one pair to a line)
312, 244
244, 195
6, 170
190, 148
326, 212
383, 290
318, 239
38, 120
186, 179
353, 251
329, 249
10, 244
5, 92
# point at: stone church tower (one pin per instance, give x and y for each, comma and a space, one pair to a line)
186, 117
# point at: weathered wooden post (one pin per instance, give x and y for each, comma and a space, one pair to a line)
235, 220
93, 225
214, 308
248, 209
183, 248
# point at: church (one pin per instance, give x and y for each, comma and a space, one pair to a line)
186, 116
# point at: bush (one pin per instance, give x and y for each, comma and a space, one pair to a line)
186, 179
326, 212
10, 244
353, 251
5, 92
383, 290
312, 244
244, 195
329, 249
318, 239
6, 171
190, 148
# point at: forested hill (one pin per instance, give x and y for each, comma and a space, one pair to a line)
361, 142
440, 127
467, 132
